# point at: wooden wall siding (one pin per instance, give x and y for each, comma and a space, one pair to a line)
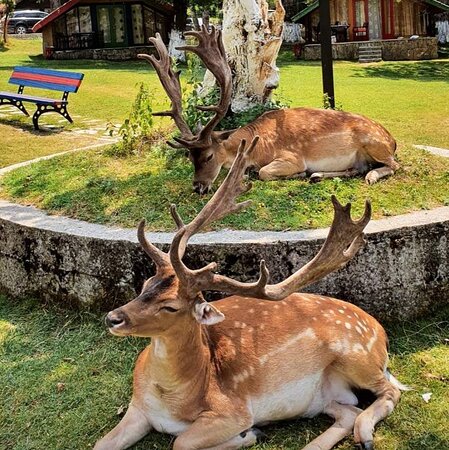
339, 11
407, 18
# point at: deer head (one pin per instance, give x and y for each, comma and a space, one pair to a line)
172, 299
206, 149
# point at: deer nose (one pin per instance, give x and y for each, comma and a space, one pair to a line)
114, 319
201, 188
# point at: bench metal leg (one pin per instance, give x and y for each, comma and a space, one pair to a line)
17, 103
43, 109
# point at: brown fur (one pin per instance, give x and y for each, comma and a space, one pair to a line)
207, 375
301, 140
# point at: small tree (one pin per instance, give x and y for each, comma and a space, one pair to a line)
9, 7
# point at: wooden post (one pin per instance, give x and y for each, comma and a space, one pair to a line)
326, 52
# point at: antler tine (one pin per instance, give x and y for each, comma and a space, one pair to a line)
222, 203
171, 84
159, 258
210, 50
344, 240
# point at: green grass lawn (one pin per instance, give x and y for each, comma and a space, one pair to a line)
63, 379
106, 95
410, 98
95, 187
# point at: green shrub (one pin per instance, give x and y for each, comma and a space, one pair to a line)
136, 130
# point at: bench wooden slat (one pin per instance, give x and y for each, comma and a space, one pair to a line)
32, 99
46, 79
56, 80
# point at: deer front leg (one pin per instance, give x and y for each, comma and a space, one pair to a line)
282, 169
218, 433
318, 176
390, 167
133, 427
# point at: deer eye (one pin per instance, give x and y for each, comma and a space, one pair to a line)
168, 309
210, 157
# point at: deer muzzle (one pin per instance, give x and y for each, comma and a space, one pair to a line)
201, 188
115, 320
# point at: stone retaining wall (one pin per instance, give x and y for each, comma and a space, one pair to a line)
402, 272
392, 50
405, 49
341, 50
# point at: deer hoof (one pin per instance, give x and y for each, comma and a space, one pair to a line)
371, 178
316, 177
368, 445
260, 435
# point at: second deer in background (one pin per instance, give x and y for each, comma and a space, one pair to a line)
294, 142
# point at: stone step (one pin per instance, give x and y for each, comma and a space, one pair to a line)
370, 52
370, 44
370, 56
369, 60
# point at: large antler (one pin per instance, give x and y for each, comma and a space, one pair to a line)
171, 84
345, 238
211, 51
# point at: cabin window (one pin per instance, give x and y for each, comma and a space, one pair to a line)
72, 22
137, 24
85, 22
111, 25
160, 25
360, 11
150, 22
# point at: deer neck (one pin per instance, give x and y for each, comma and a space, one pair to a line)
180, 358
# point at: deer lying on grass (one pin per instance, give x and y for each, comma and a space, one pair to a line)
294, 142
214, 371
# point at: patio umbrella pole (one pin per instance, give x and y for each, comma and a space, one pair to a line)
326, 52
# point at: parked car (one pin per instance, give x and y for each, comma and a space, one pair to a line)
21, 22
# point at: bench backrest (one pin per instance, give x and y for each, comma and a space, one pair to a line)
56, 80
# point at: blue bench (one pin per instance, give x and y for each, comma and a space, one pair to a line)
55, 80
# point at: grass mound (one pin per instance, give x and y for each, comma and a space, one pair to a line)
65, 382
97, 187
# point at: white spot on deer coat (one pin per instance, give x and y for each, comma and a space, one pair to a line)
371, 342
358, 348
308, 333
342, 346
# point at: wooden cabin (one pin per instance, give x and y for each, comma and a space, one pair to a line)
89, 28
365, 20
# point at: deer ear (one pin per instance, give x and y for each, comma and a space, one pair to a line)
207, 314
221, 136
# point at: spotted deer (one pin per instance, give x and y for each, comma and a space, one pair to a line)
215, 371
294, 142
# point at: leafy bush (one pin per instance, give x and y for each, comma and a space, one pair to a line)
137, 130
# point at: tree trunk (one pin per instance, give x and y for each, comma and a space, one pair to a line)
252, 38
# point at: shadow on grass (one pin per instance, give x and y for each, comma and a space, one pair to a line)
79, 64
418, 71
29, 128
